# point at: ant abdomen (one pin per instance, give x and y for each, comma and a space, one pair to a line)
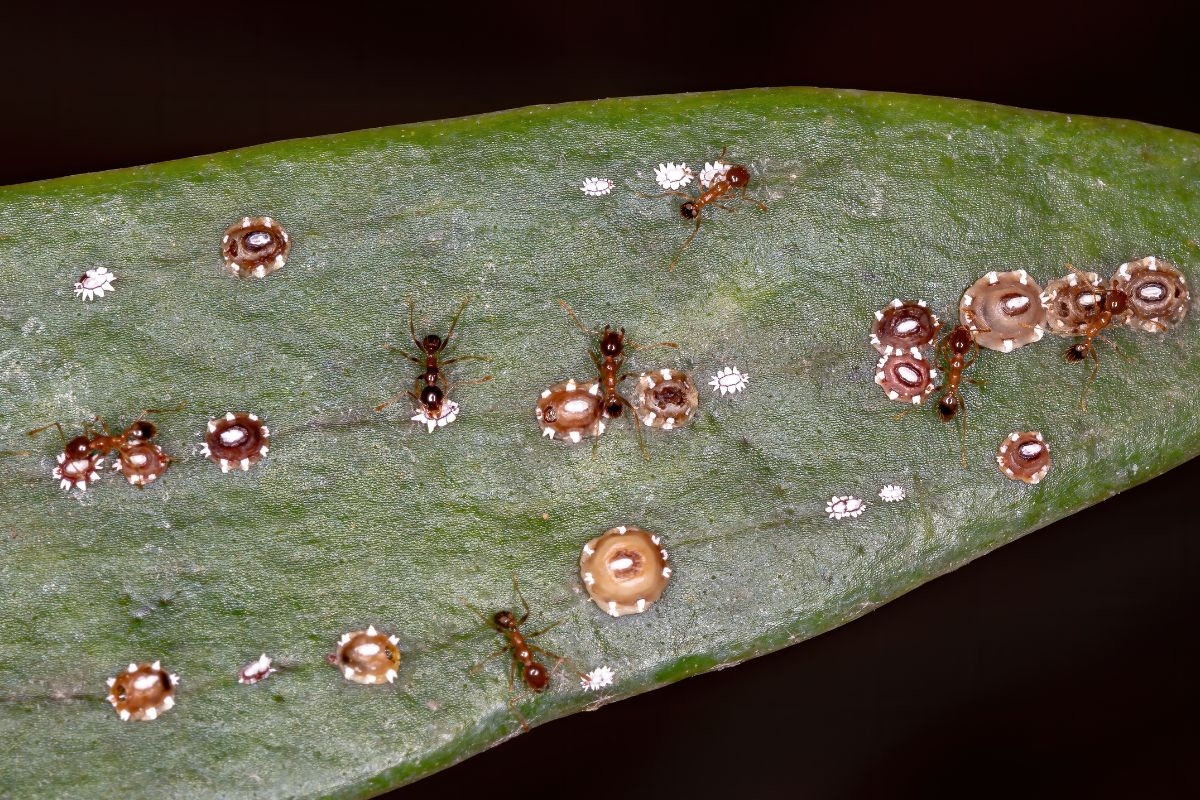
536, 677
947, 407
1077, 352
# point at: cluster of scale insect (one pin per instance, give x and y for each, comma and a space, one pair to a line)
1005, 311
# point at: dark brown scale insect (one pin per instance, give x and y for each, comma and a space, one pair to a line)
724, 185
430, 389
139, 458
958, 350
608, 362
534, 674
1113, 303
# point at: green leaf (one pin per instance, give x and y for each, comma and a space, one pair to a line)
360, 518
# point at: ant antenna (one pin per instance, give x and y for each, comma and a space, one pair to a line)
578, 324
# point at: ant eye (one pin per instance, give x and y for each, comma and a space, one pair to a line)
570, 410
906, 377
1024, 456
236, 440
368, 656
1004, 310
255, 246
666, 399
142, 691
624, 570
904, 326
1156, 294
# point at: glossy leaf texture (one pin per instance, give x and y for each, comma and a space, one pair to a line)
357, 517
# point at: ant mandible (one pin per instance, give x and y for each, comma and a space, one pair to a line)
534, 674
724, 184
430, 389
1113, 303
608, 362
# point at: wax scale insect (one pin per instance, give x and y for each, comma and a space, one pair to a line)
139, 458
608, 362
430, 389
728, 180
534, 674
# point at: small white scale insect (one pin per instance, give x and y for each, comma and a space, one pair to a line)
596, 187
712, 172
840, 507
892, 493
94, 283
729, 380
673, 176
597, 679
447, 414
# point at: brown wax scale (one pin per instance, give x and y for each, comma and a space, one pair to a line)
667, 398
1004, 310
367, 656
1072, 301
142, 691
906, 377
236, 440
624, 570
1156, 293
255, 246
904, 327
571, 410
1024, 456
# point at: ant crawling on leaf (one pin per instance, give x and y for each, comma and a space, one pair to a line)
534, 674
954, 349
430, 389
726, 180
139, 459
1112, 303
609, 361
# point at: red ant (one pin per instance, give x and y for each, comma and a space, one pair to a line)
723, 184
139, 459
1113, 303
533, 673
431, 388
954, 348
608, 362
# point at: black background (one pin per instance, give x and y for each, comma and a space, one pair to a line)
1064, 664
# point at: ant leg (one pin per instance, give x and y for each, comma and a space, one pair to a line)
761, 206
412, 331
723, 151
512, 706
544, 630
456, 359
171, 410
455, 385
517, 589
578, 324
36, 431
686, 242
454, 322
406, 354
962, 433
905, 412
634, 346
395, 399
1087, 384
479, 666
637, 424
725, 207
1114, 346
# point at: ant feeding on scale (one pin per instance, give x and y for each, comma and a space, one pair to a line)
431, 391
139, 459
534, 674
719, 181
1081, 305
574, 410
954, 349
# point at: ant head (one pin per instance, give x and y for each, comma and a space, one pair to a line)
738, 175
432, 343
78, 447
947, 407
535, 677
505, 620
612, 342
1077, 351
1115, 301
142, 429
688, 210
431, 397
960, 340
